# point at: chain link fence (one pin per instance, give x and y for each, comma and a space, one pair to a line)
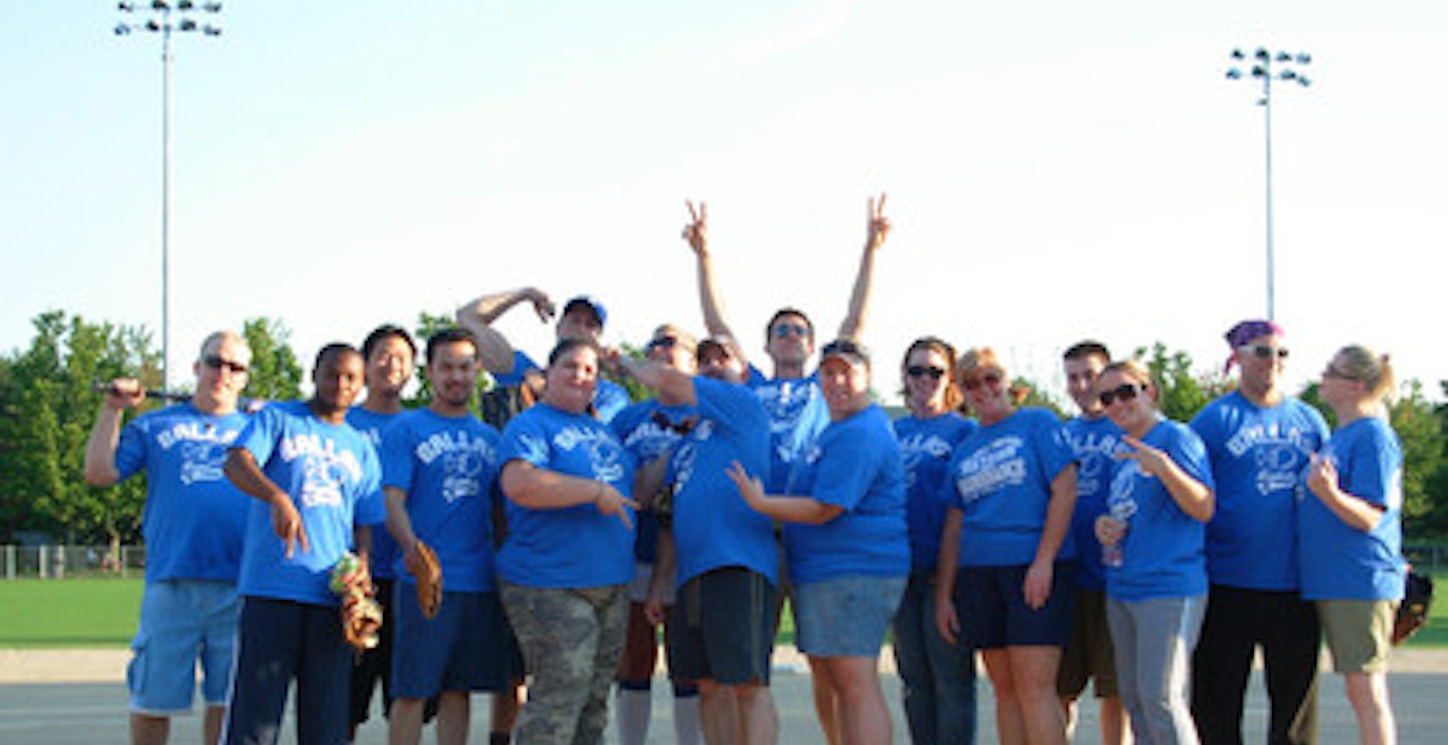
62, 561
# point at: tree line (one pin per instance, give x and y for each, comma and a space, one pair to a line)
49, 401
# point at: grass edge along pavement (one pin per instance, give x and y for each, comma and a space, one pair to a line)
96, 613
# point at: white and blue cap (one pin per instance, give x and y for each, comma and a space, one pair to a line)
589, 303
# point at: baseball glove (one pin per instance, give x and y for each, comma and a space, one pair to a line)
361, 615
428, 574
361, 620
1413, 610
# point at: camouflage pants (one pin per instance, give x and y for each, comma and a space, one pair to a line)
571, 640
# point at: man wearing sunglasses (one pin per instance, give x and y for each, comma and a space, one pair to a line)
1260, 441
193, 525
793, 399
797, 410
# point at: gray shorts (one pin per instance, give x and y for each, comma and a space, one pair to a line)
722, 628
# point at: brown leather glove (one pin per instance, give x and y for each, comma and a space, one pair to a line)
428, 573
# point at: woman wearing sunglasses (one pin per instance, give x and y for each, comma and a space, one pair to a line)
1152, 537
1350, 534
937, 677
1012, 490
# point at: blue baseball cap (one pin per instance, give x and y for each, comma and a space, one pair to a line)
591, 304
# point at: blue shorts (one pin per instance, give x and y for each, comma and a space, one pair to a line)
279, 641
461, 649
991, 606
845, 616
182, 621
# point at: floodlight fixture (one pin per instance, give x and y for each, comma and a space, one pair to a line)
1267, 67
163, 18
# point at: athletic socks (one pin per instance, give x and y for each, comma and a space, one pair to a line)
687, 730
633, 707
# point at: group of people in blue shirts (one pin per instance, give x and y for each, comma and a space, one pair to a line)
1150, 555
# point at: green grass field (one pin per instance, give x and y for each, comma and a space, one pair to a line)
102, 613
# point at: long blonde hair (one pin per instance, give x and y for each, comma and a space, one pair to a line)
1373, 370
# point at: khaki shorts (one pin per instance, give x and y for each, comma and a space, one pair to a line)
1359, 633
1088, 652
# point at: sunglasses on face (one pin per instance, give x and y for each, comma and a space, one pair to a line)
663, 342
790, 329
1333, 372
216, 362
681, 427
1265, 351
918, 371
1124, 392
991, 379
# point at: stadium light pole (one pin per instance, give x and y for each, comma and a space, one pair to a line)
1268, 66
163, 18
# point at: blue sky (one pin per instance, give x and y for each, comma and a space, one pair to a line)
1055, 170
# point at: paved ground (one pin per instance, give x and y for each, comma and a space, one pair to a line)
67, 697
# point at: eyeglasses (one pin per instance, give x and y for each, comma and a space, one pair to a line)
782, 330
681, 427
1264, 351
1124, 392
919, 371
216, 362
991, 379
663, 342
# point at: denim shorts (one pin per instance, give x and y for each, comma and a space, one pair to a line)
845, 616
182, 621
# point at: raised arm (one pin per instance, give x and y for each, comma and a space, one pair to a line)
675, 388
877, 229
696, 234
105, 436
478, 316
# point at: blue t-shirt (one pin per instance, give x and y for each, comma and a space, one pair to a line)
1001, 478
384, 549
927, 445
574, 546
608, 399
1163, 554
1259, 456
1340, 562
448, 466
649, 429
331, 473
713, 526
194, 520
797, 414
1094, 442
855, 464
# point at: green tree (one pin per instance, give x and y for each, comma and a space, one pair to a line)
51, 391
276, 375
1181, 393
